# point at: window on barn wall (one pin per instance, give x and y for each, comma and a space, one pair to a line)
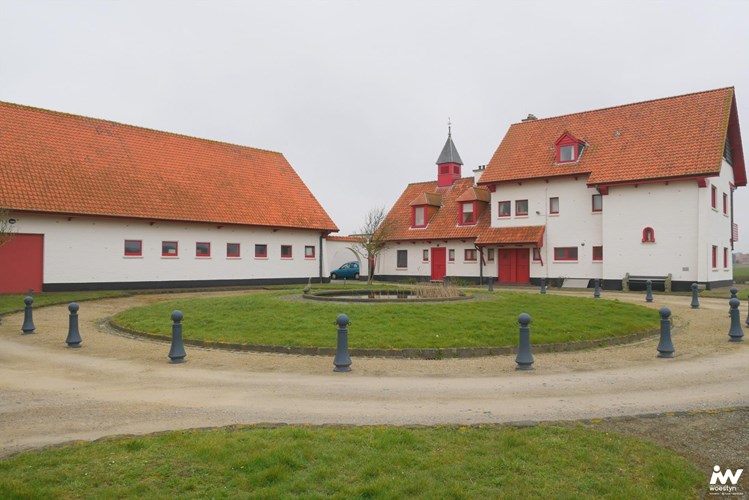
504, 209
133, 248
725, 258
521, 207
202, 249
565, 253
261, 251
309, 252
286, 251
425, 255
714, 197
598, 253
725, 204
597, 203
470, 254
402, 259
169, 249
451, 255
648, 235
554, 205
715, 257
490, 254
232, 249
537, 254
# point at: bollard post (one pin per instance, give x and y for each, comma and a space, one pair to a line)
747, 313
596, 288
524, 358
695, 297
28, 316
734, 295
74, 335
491, 284
735, 333
177, 351
543, 286
342, 361
649, 288
665, 346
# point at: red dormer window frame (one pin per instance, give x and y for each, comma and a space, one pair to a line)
472, 222
413, 216
566, 141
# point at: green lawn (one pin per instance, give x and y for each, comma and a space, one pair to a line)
356, 462
741, 273
14, 302
271, 318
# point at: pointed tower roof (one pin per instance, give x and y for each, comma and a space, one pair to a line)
449, 154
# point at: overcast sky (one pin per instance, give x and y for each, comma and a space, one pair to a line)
357, 94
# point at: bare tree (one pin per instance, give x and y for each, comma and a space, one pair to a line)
6, 228
372, 238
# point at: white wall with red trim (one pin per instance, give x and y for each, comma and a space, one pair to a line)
387, 265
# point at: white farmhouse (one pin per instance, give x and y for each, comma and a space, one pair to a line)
637, 191
100, 205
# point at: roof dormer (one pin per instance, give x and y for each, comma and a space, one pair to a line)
569, 149
423, 208
471, 205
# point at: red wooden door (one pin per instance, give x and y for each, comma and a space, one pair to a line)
506, 265
523, 266
439, 263
514, 265
21, 264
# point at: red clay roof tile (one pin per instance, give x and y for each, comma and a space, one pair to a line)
60, 163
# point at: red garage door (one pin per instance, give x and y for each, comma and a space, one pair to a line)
21, 262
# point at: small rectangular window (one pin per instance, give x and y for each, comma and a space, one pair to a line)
202, 249
425, 255
261, 251
490, 255
169, 249
521, 207
597, 203
565, 253
725, 258
537, 254
725, 203
451, 255
402, 259
504, 209
467, 216
597, 253
286, 251
566, 153
232, 249
309, 252
715, 257
554, 205
419, 216
133, 248
470, 254
714, 197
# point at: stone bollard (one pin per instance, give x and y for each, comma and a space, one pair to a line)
665, 346
543, 286
524, 358
596, 288
74, 336
649, 288
28, 316
736, 334
177, 351
342, 360
747, 313
491, 284
695, 296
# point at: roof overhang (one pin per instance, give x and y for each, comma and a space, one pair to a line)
521, 235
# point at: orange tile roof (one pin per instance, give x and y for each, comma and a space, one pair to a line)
433, 199
444, 223
666, 138
476, 193
60, 163
345, 239
522, 235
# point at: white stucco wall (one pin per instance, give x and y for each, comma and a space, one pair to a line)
417, 266
85, 250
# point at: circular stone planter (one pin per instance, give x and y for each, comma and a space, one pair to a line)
379, 296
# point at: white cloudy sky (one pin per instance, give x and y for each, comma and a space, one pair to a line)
357, 94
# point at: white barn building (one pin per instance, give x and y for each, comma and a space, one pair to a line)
641, 190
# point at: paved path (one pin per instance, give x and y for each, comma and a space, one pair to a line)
118, 385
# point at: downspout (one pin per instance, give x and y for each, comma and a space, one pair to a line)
481, 263
322, 235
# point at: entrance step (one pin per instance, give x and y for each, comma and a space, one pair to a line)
575, 283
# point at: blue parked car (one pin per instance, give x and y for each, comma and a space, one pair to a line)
348, 270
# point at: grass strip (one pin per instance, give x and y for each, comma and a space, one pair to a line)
14, 302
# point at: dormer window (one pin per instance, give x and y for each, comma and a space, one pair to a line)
419, 216
468, 212
569, 149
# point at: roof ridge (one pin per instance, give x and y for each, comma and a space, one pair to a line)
648, 101
139, 127
435, 180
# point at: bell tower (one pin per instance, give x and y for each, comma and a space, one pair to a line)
449, 163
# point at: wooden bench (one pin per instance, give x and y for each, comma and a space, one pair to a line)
640, 282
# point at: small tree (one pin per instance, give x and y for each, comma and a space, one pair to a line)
372, 238
6, 228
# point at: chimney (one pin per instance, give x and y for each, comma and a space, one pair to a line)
531, 116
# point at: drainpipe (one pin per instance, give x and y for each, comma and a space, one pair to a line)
481, 263
322, 235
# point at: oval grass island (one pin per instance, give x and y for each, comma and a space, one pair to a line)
280, 321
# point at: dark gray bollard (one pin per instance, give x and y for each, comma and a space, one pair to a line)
177, 351
695, 296
747, 313
665, 346
342, 360
491, 284
736, 334
649, 288
596, 288
74, 335
524, 358
28, 316
543, 286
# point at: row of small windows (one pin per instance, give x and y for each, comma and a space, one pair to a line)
715, 257
134, 248
714, 199
504, 208
569, 254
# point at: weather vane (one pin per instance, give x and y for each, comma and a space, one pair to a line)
449, 126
